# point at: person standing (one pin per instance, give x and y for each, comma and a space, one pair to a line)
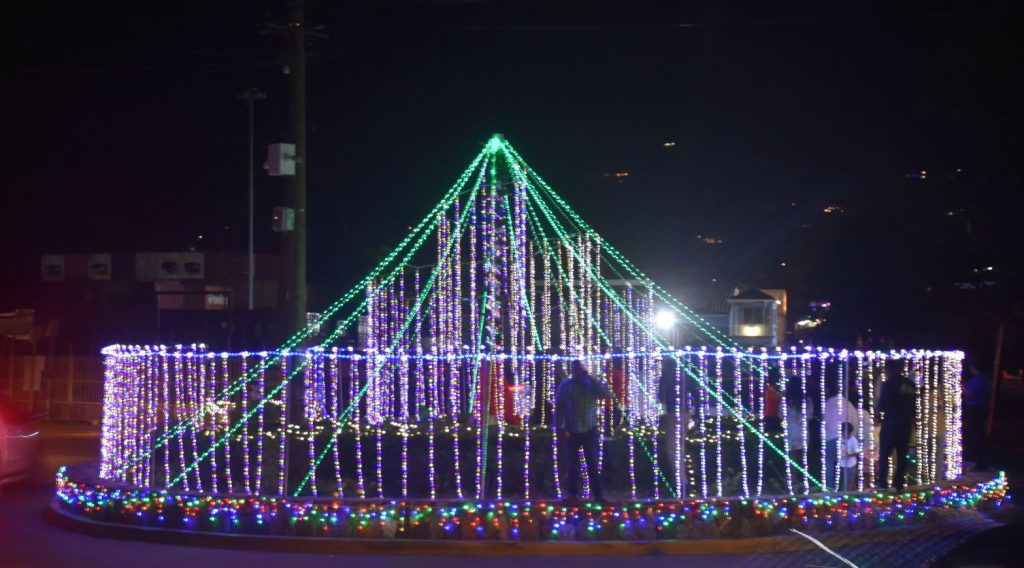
673, 418
851, 457
838, 411
620, 388
897, 405
576, 424
976, 399
799, 409
772, 401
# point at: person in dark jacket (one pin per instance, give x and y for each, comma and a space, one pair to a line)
975, 415
576, 424
897, 405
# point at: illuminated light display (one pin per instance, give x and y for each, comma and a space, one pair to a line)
454, 392
511, 519
728, 460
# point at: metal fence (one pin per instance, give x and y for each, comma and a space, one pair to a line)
61, 388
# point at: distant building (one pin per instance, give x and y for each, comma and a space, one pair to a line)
750, 317
754, 318
711, 304
157, 296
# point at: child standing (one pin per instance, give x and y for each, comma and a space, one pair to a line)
850, 455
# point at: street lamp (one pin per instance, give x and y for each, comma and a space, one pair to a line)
664, 320
250, 96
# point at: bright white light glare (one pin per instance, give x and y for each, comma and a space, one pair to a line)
752, 330
664, 319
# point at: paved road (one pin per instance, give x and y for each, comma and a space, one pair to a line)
26, 540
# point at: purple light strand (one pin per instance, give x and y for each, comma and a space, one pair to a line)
164, 379
335, 382
177, 415
246, 467
261, 392
703, 409
360, 470
761, 394
213, 421
784, 409
737, 385
283, 429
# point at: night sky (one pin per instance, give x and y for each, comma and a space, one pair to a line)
122, 131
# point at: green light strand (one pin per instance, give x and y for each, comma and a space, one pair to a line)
538, 229
480, 320
262, 402
680, 308
604, 286
677, 306
608, 247
526, 298
557, 226
734, 410
674, 303
476, 367
476, 353
423, 230
485, 417
425, 225
428, 288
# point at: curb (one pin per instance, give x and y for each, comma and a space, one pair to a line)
58, 517
70, 435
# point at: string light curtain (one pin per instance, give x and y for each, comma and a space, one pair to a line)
451, 390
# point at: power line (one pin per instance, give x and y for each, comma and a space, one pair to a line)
715, 24
140, 75
751, 23
168, 67
94, 49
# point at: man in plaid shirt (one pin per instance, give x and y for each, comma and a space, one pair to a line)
576, 424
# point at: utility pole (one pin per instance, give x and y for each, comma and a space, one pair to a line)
294, 300
294, 242
997, 369
250, 96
